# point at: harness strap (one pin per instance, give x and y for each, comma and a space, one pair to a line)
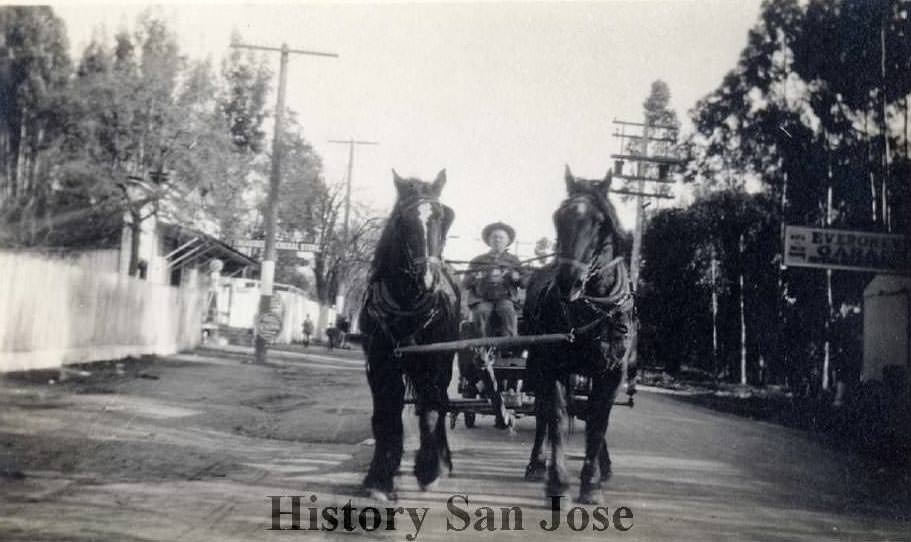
621, 293
386, 312
578, 264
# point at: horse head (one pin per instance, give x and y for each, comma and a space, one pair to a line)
586, 224
417, 230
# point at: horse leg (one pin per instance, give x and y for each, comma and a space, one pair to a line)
388, 393
604, 462
537, 463
601, 400
444, 377
431, 410
557, 416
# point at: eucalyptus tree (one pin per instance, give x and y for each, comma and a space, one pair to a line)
34, 76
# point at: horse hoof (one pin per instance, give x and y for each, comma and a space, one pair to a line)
590, 496
557, 491
428, 486
536, 471
381, 496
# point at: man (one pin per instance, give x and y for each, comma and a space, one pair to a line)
492, 282
846, 334
308, 330
343, 326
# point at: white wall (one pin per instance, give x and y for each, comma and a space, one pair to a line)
887, 331
53, 313
240, 299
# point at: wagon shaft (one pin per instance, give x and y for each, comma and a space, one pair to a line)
452, 346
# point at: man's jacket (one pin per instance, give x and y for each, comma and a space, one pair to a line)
489, 278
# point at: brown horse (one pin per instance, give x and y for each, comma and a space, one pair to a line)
411, 299
585, 292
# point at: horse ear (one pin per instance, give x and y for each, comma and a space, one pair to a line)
398, 181
570, 180
439, 182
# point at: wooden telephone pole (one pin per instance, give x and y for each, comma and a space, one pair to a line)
638, 152
266, 324
342, 287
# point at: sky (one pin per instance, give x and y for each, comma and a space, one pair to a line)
502, 95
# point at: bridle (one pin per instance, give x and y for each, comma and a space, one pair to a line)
435, 261
384, 308
605, 244
619, 300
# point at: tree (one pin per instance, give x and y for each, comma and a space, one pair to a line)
243, 102
657, 113
812, 111
34, 71
737, 230
134, 131
338, 262
148, 137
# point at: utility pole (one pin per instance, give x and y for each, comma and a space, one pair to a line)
343, 286
651, 132
267, 267
351, 143
664, 135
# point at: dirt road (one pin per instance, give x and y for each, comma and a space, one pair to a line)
192, 446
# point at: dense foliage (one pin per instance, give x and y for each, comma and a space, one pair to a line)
810, 128
133, 128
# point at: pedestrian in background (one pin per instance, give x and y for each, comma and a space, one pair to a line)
307, 328
846, 336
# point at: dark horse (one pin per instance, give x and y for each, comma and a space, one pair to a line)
585, 292
411, 299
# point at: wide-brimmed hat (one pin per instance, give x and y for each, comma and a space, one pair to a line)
488, 229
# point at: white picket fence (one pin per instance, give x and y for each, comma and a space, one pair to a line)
54, 313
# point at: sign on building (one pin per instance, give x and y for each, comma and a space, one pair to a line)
254, 247
279, 245
847, 250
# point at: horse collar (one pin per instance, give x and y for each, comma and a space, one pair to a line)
388, 313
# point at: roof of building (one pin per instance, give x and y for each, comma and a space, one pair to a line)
194, 245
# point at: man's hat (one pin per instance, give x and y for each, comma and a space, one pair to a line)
488, 229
